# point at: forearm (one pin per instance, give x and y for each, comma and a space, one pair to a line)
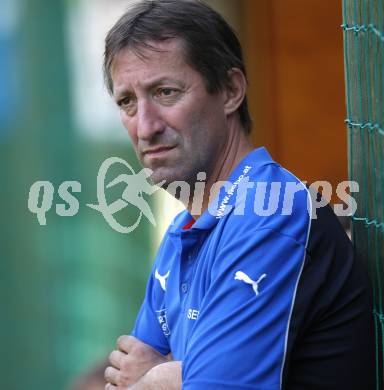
132, 361
166, 376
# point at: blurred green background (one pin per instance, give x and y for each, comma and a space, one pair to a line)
70, 288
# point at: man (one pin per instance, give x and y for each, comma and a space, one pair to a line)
241, 296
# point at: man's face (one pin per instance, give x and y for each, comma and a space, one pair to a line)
177, 128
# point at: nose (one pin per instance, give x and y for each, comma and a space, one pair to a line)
149, 122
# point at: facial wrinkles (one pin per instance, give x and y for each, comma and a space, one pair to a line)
167, 138
140, 91
170, 136
136, 65
192, 123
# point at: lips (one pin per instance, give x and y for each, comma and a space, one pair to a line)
158, 151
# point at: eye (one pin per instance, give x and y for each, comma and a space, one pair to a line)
128, 104
125, 102
167, 95
167, 92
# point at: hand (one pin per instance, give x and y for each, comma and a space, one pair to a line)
130, 362
166, 376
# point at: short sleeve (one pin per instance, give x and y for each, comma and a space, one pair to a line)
239, 340
149, 322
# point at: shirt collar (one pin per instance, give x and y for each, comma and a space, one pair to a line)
227, 194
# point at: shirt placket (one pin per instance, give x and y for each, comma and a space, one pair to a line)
187, 263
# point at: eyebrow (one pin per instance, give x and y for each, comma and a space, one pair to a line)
150, 85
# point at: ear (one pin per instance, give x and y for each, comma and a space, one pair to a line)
235, 91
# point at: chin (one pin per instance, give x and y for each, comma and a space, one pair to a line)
168, 175
158, 177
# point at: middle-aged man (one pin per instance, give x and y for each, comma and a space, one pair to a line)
241, 296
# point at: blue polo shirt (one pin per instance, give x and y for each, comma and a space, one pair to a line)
257, 295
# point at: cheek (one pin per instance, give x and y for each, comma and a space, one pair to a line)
202, 123
129, 125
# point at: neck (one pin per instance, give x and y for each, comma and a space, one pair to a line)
235, 149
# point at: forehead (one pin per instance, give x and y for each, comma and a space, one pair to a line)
142, 65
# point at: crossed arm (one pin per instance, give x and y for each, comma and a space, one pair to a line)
137, 366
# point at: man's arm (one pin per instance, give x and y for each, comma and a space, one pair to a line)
130, 362
166, 376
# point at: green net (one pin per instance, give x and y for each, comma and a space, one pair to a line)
364, 61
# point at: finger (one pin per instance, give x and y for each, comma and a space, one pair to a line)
112, 376
169, 357
115, 358
125, 343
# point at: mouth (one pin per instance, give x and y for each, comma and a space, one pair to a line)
158, 152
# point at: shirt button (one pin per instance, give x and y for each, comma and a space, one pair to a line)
184, 287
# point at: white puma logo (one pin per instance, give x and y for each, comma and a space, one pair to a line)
162, 279
240, 275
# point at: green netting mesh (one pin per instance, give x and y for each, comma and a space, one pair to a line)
364, 61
